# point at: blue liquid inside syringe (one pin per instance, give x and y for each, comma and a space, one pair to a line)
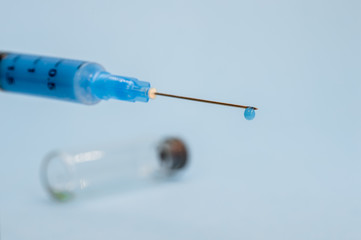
64, 79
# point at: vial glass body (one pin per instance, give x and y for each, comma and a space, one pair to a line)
66, 174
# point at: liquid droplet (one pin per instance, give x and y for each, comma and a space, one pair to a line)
249, 113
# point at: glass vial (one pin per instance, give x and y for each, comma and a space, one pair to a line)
69, 174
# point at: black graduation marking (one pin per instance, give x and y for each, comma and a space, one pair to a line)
57, 64
80, 65
52, 72
10, 79
36, 60
16, 58
51, 85
32, 70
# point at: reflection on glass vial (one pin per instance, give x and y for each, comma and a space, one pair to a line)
72, 173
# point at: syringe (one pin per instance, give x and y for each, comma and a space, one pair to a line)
77, 81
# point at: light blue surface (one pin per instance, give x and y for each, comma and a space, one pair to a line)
66, 79
291, 173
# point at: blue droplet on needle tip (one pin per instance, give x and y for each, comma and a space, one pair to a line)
249, 113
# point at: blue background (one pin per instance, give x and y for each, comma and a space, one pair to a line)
291, 173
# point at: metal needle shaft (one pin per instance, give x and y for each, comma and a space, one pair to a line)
203, 100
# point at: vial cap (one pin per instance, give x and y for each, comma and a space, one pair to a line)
173, 154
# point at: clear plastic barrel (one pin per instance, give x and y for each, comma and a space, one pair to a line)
94, 171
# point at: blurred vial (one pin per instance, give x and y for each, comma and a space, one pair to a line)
69, 174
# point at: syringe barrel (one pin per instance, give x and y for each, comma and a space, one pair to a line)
65, 79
